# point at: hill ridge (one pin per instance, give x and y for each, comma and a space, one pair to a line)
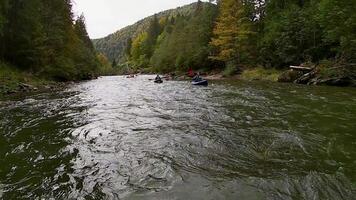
114, 44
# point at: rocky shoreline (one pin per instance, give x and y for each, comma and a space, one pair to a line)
317, 75
340, 76
23, 88
337, 76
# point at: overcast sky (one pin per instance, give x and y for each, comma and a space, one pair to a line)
107, 16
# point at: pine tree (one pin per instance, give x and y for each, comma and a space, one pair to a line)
128, 47
81, 31
85, 59
154, 30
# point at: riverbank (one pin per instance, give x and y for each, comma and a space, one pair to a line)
325, 73
252, 74
14, 81
322, 74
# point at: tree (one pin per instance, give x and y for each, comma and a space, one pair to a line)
81, 31
198, 7
154, 30
88, 64
105, 68
24, 35
184, 42
128, 47
4, 6
338, 21
143, 45
3, 10
40, 37
138, 47
232, 33
114, 64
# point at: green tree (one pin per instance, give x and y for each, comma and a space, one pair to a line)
184, 42
128, 47
81, 31
291, 34
85, 60
114, 64
24, 34
40, 37
138, 47
154, 30
4, 6
338, 21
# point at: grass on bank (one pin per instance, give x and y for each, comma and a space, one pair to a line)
10, 78
261, 73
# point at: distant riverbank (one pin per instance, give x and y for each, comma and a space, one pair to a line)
14, 81
317, 75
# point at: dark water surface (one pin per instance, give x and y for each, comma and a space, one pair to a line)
117, 138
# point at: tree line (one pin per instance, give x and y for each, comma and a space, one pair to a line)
279, 33
245, 33
42, 37
175, 42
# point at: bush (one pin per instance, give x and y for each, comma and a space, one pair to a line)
10, 74
329, 69
290, 76
230, 70
332, 69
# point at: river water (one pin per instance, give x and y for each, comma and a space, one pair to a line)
118, 138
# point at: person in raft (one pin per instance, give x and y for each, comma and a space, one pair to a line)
158, 78
197, 77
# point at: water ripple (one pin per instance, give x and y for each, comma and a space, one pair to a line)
118, 138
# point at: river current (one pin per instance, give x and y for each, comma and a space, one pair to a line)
118, 138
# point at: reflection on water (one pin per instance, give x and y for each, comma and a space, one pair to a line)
117, 138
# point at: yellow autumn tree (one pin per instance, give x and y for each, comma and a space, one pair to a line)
232, 32
105, 65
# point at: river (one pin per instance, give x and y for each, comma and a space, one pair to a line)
118, 138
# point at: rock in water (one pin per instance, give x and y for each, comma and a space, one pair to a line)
25, 87
290, 76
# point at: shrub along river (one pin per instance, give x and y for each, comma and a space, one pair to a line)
118, 138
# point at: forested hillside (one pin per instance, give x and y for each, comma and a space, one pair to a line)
233, 35
42, 38
115, 46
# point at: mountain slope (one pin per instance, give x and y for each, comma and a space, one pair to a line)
114, 45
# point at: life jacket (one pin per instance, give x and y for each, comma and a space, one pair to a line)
191, 73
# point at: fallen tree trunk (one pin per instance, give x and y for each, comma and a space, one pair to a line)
301, 68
